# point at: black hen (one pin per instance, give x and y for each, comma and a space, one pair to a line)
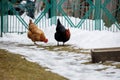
61, 34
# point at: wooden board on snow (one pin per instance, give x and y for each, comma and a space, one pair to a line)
105, 54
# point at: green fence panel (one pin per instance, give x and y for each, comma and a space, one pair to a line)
97, 16
82, 14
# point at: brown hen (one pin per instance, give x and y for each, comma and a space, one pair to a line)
36, 34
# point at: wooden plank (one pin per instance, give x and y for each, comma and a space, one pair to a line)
105, 54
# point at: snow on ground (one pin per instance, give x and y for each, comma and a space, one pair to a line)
68, 64
72, 65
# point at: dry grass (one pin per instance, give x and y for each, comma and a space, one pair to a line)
68, 48
13, 67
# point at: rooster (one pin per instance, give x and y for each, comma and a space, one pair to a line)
61, 34
36, 34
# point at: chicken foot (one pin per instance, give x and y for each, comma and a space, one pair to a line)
57, 43
36, 44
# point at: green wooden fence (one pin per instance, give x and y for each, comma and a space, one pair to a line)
82, 14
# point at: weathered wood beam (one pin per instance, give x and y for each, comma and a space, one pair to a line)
106, 54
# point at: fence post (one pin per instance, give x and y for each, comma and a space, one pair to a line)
1, 28
53, 11
97, 16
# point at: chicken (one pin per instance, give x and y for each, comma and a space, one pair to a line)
36, 34
61, 34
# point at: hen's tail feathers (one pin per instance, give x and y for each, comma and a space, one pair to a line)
58, 22
30, 22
